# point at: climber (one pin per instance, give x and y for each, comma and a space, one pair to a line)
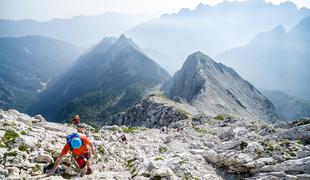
78, 144
123, 139
76, 120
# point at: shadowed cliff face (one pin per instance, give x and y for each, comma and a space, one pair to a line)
107, 79
27, 64
215, 89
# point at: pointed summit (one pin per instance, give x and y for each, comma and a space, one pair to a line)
115, 73
215, 89
104, 45
124, 42
199, 58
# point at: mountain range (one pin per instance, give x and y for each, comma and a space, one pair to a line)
27, 64
106, 79
79, 30
288, 107
210, 29
275, 60
213, 29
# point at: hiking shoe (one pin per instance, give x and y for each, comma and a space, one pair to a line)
89, 171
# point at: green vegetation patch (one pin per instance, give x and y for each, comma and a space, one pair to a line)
159, 159
270, 147
199, 129
129, 163
259, 153
133, 129
220, 117
2, 144
114, 129
23, 133
36, 168
23, 147
11, 153
8, 137
162, 149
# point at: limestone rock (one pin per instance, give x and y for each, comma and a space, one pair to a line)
44, 158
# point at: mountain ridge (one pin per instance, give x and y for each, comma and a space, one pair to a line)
111, 73
280, 57
214, 89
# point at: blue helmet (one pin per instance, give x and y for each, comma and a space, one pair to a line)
76, 143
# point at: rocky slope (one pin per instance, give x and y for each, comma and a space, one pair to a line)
203, 148
214, 88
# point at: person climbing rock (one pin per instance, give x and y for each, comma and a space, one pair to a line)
79, 145
76, 119
76, 122
122, 139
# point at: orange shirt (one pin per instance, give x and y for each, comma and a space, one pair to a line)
77, 152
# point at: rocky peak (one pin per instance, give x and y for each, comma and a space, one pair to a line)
215, 88
123, 42
104, 44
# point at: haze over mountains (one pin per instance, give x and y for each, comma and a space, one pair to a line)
288, 107
27, 64
213, 30
171, 37
114, 74
204, 122
107, 79
80, 30
276, 60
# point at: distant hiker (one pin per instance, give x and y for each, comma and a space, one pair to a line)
179, 129
164, 129
76, 120
80, 126
123, 139
78, 144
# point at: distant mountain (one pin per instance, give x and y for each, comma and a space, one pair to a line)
213, 29
27, 64
107, 79
288, 107
217, 89
276, 60
80, 30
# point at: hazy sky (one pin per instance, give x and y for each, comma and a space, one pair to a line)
48, 9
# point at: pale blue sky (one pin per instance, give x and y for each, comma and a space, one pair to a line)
48, 9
